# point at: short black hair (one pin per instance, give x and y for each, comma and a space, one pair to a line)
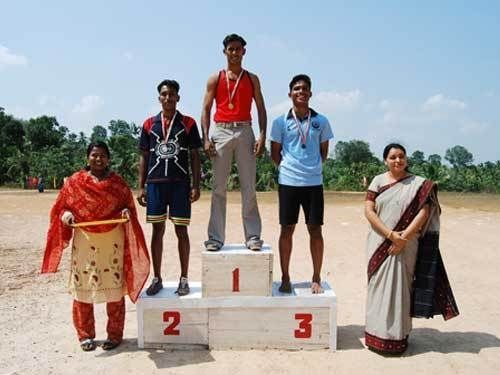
234, 38
98, 144
169, 83
387, 148
300, 77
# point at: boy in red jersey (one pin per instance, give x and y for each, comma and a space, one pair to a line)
233, 90
169, 149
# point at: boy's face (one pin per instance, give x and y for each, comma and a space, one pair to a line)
168, 98
300, 94
234, 52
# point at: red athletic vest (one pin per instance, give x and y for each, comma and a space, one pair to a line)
242, 100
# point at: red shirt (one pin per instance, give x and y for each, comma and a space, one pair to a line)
242, 99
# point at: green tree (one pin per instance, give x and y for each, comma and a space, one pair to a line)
123, 144
99, 133
458, 156
354, 151
11, 147
434, 159
417, 158
43, 132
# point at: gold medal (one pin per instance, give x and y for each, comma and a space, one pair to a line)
231, 93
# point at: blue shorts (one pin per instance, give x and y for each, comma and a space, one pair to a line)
174, 195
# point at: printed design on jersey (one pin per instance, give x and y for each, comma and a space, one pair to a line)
168, 151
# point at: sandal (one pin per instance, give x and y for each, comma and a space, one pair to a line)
110, 344
212, 246
88, 345
183, 288
155, 287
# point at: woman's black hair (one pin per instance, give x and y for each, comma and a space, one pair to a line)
393, 145
397, 146
98, 144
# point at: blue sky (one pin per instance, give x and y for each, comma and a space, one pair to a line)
426, 74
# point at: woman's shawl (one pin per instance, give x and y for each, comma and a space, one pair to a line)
91, 200
432, 292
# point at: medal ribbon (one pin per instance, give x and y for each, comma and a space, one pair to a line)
167, 127
302, 133
229, 92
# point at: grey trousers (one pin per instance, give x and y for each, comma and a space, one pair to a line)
238, 141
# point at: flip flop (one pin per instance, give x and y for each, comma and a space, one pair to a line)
109, 344
88, 345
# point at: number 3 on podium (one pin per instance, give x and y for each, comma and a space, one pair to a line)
305, 327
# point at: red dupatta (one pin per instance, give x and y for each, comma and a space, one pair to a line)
91, 200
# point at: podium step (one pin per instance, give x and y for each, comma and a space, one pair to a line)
235, 270
299, 320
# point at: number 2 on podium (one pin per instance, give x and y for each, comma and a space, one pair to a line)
171, 328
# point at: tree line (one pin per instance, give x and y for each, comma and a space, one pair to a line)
42, 147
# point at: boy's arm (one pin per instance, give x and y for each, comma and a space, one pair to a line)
196, 174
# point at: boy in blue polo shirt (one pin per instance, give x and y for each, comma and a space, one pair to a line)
299, 146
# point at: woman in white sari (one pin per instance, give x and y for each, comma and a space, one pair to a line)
406, 276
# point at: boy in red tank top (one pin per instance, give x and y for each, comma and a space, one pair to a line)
233, 90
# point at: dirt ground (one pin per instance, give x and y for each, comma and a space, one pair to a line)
37, 334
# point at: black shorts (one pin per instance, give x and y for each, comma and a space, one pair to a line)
309, 197
175, 196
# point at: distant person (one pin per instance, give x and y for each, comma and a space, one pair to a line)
169, 167
41, 184
299, 146
406, 275
108, 261
233, 90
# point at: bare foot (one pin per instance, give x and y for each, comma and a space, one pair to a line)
285, 286
316, 288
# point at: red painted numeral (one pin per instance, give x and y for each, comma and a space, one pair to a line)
171, 328
236, 280
305, 327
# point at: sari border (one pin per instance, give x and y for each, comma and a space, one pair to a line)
388, 186
381, 254
386, 345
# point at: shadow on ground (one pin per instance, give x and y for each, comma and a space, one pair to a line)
165, 358
424, 340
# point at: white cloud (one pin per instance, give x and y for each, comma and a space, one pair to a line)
88, 104
9, 58
330, 101
473, 127
279, 108
50, 101
384, 104
441, 102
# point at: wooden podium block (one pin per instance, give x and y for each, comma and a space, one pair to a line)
299, 320
169, 320
237, 271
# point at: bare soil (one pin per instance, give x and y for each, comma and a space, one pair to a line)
37, 334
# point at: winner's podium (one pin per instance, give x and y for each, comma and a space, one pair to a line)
225, 315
